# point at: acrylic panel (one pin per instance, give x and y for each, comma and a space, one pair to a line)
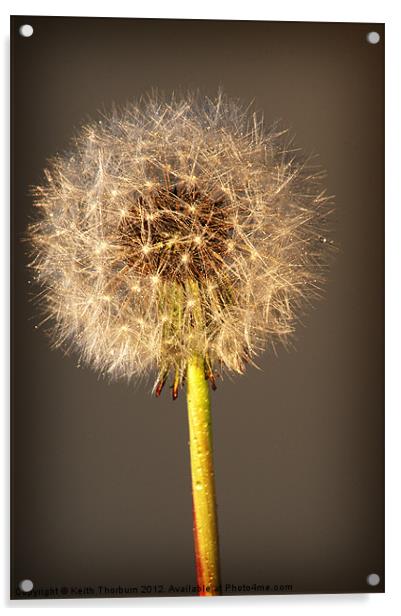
197, 307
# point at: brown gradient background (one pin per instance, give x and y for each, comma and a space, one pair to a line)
101, 491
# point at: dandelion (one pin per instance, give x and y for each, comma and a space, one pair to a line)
179, 238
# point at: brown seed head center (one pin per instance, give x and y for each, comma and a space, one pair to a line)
177, 231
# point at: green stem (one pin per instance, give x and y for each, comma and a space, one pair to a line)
203, 489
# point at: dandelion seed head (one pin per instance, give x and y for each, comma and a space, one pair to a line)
178, 226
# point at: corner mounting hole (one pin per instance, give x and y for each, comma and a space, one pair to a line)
373, 579
26, 30
26, 585
373, 38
